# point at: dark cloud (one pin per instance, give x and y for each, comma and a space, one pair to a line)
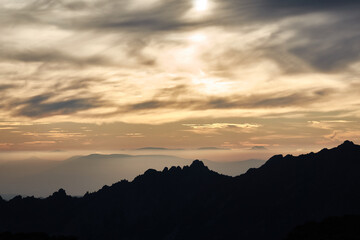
236, 102
173, 92
81, 84
326, 47
51, 55
331, 46
163, 16
4, 87
309, 4
259, 10
268, 101
41, 106
76, 5
325, 42
212, 148
113, 15
159, 149
257, 148
105, 15
153, 104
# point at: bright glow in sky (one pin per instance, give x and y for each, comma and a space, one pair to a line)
201, 5
197, 38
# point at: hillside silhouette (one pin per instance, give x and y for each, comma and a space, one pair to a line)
335, 228
194, 202
80, 174
32, 236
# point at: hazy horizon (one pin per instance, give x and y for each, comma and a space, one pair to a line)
209, 153
89, 173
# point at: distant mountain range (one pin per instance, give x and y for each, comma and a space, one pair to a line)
80, 174
194, 202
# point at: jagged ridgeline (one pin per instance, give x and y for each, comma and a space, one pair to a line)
196, 203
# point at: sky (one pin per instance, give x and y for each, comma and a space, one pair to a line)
262, 76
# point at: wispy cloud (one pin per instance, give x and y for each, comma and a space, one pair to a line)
215, 128
271, 100
222, 125
41, 106
259, 148
40, 142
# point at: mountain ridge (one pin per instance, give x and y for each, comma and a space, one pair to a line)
79, 174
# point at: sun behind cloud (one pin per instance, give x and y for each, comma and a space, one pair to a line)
197, 38
201, 5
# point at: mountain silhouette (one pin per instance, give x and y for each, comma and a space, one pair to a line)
80, 174
194, 202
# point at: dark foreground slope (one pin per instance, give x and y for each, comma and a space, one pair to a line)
32, 236
196, 203
334, 228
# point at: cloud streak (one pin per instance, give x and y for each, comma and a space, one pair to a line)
237, 102
41, 106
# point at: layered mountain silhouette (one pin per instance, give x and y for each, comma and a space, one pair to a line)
194, 202
80, 174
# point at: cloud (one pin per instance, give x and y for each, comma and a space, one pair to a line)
321, 34
173, 92
41, 106
8, 128
336, 51
156, 15
4, 87
215, 128
159, 149
308, 4
5, 146
222, 126
275, 100
47, 55
212, 148
134, 27
263, 55
260, 10
259, 148
333, 124
40, 142
16, 124
55, 134
132, 135
106, 15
